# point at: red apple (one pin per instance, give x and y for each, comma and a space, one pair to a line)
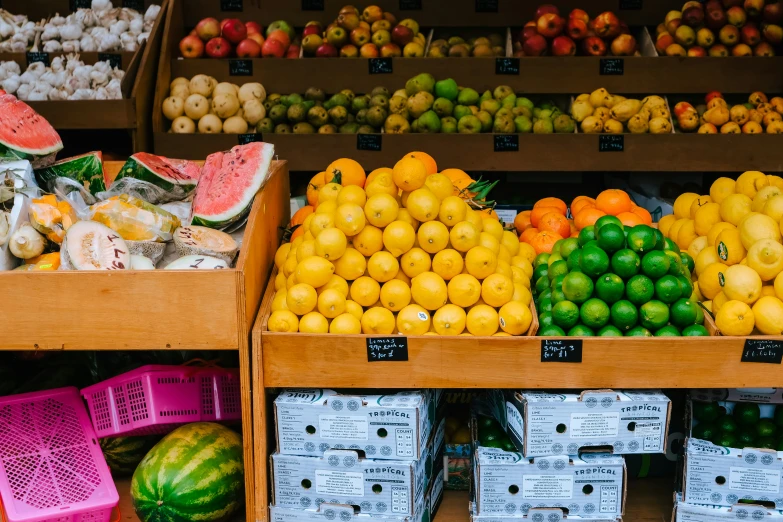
546, 9
253, 27
697, 52
664, 40
742, 50
550, 25
773, 33
623, 45
293, 52
754, 8
579, 14
682, 107
535, 46
606, 25
563, 46
528, 31
577, 29
729, 35
312, 29
207, 29
750, 34
248, 48
718, 50
369, 50
391, 50
712, 95
360, 36
218, 48
234, 31
764, 49
402, 35
273, 48
693, 16
594, 46
223, 23
191, 47
737, 16
773, 12
349, 51
256, 37
327, 50
193, 32
712, 4
281, 35
716, 18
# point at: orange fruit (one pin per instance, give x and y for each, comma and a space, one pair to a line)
552, 202
316, 182
461, 188
555, 222
581, 202
522, 221
587, 217
345, 171
488, 213
300, 215
544, 241
528, 235
644, 214
377, 172
429, 161
409, 174
538, 212
613, 202
629, 219
455, 174
298, 232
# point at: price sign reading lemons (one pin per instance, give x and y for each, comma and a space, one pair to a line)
385, 349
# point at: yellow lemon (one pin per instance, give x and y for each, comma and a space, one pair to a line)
382, 266
327, 207
697, 204
395, 295
474, 218
447, 263
773, 208
314, 271
354, 308
480, 262
717, 229
504, 254
482, 320
504, 268
398, 237
742, 283
502, 334
279, 301
768, 290
433, 236
721, 188
291, 281
708, 306
711, 280
305, 250
518, 276
415, 261
402, 276
283, 321
351, 265
313, 323
452, 211
464, 236
735, 207
345, 324
405, 216
381, 187
413, 320
423, 205
749, 183
328, 192
336, 282
365, 291
280, 280
497, 290
429, 290
729, 247
719, 301
756, 227
349, 217
353, 195
301, 299
524, 263
515, 318
706, 217
764, 195
775, 181
766, 258
697, 245
696, 295
378, 321
735, 318
439, 185
369, 240
665, 223
464, 290
306, 222
409, 174
321, 222
381, 209
331, 244
308, 236
511, 242
331, 303
489, 241
682, 205
449, 320
768, 314
282, 254
674, 230
686, 234
493, 228
522, 294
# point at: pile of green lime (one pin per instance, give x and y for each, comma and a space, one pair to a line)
492, 435
742, 428
613, 281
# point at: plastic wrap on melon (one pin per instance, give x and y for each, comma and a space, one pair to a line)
134, 219
51, 217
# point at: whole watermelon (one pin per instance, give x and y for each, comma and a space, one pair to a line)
194, 473
123, 454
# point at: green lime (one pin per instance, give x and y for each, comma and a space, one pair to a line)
607, 220
551, 331
779, 416
508, 446
554, 256
746, 438
567, 246
544, 305
485, 422
639, 289
557, 296
684, 312
541, 259
686, 287
609, 331
667, 331
687, 260
545, 319
577, 287
746, 413
580, 330
557, 282
695, 330
704, 431
490, 433
779, 445
610, 237
546, 294
660, 241
641, 239
624, 315
625, 263
655, 264
594, 261
557, 268
766, 443
675, 262
586, 235
727, 424
706, 411
556, 249
638, 332
699, 315
594, 313
766, 428
727, 440
667, 289
610, 288
539, 272
574, 258
565, 314
654, 315
542, 284
671, 245
592, 244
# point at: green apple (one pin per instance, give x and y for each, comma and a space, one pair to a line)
523, 124
525, 102
469, 125
447, 89
460, 111
448, 125
543, 127
429, 122
396, 124
486, 120
490, 106
468, 96
443, 107
503, 125
420, 103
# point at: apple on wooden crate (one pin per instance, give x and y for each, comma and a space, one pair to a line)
232, 37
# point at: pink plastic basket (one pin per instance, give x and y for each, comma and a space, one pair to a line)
51, 466
158, 399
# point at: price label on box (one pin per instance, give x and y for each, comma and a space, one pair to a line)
410, 5
383, 349
565, 351
381, 66
507, 66
38, 57
114, 59
611, 67
631, 5
240, 67
611, 143
244, 139
312, 5
762, 351
371, 142
506, 142
235, 6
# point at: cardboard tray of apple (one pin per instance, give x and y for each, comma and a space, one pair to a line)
721, 28
232, 38
732, 114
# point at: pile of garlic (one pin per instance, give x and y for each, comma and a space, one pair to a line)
103, 28
67, 79
17, 33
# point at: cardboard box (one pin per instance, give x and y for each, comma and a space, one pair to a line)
538, 514
766, 398
509, 484
623, 422
698, 513
394, 427
722, 476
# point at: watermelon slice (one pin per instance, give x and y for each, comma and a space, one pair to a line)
25, 134
164, 172
229, 182
87, 169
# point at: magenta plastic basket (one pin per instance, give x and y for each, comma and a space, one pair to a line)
157, 399
51, 466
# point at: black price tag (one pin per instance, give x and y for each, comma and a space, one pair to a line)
136, 5
381, 66
611, 67
486, 6
631, 5
567, 351
244, 139
38, 57
508, 66
240, 67
506, 142
611, 143
312, 5
371, 142
762, 351
114, 59
380, 349
410, 5
235, 6
80, 4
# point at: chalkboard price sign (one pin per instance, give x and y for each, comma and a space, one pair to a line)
114, 59
506, 143
312, 5
486, 6
381, 66
382, 349
371, 142
566, 351
762, 351
611, 143
240, 67
410, 5
244, 139
631, 5
232, 6
611, 67
507, 66
38, 57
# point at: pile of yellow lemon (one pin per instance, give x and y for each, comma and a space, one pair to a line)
734, 237
401, 252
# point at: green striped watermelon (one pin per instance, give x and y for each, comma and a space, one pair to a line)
195, 474
123, 454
